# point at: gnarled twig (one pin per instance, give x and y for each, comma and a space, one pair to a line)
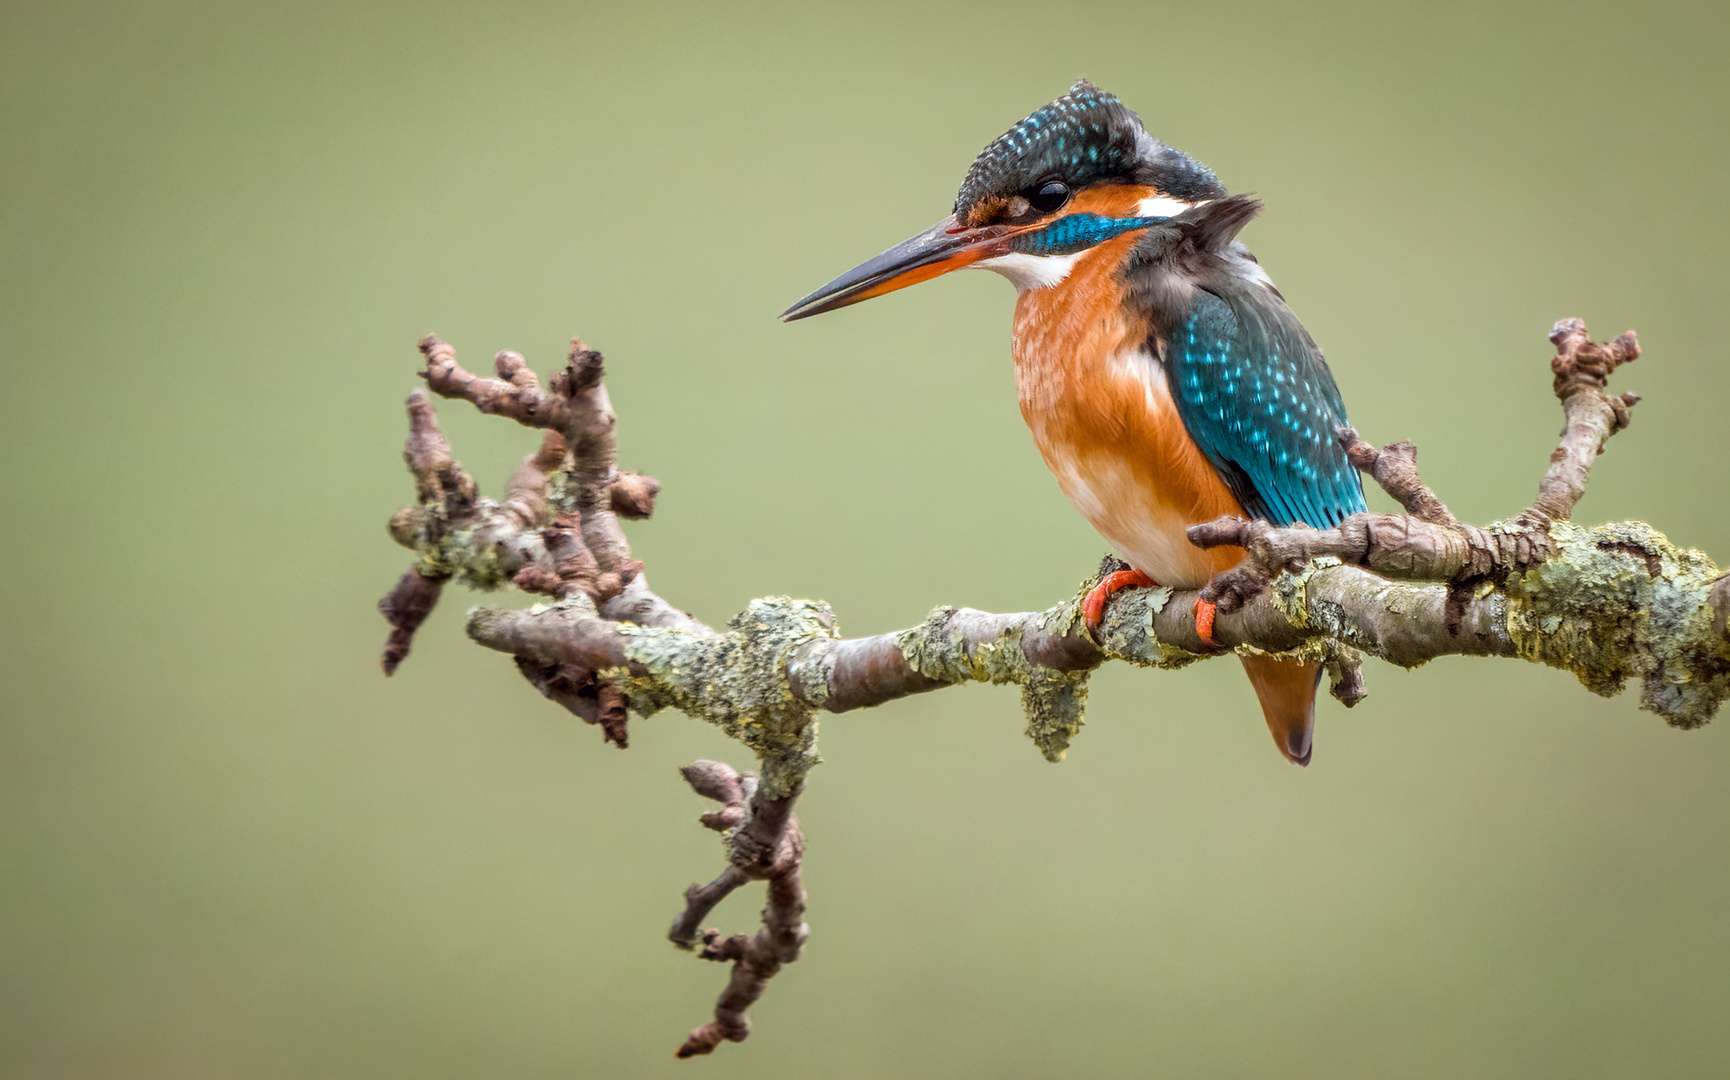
763, 844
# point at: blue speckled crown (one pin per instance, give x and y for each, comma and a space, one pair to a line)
1084, 137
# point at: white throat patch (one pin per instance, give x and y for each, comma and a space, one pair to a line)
1031, 271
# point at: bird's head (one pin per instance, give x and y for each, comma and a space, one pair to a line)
1076, 173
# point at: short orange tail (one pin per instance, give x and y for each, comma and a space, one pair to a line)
1287, 692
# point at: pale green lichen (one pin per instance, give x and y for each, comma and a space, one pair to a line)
938, 650
1617, 601
1289, 594
562, 492
1054, 701
476, 563
463, 552
1067, 618
736, 680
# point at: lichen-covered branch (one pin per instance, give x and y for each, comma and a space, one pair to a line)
1605, 603
1615, 601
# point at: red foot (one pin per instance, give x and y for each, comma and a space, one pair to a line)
1093, 608
1204, 613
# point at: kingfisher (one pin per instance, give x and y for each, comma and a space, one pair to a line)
1164, 379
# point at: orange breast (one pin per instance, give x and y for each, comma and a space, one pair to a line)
1102, 417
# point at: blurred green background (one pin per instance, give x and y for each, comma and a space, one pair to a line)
230, 848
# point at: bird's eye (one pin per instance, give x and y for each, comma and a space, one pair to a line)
1048, 196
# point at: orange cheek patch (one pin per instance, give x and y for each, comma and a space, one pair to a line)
1110, 200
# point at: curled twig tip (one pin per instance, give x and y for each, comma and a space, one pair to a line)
586, 369
405, 607
632, 495
715, 780
1218, 533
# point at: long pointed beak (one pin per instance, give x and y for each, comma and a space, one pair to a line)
945, 246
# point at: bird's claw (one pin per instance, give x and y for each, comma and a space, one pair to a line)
1205, 610
1093, 607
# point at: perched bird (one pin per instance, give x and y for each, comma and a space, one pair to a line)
1164, 379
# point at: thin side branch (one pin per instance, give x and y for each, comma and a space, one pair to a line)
763, 843
405, 608
1582, 371
1395, 468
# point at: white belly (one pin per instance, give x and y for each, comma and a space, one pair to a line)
1143, 528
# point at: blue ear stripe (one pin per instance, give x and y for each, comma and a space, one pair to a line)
1078, 232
